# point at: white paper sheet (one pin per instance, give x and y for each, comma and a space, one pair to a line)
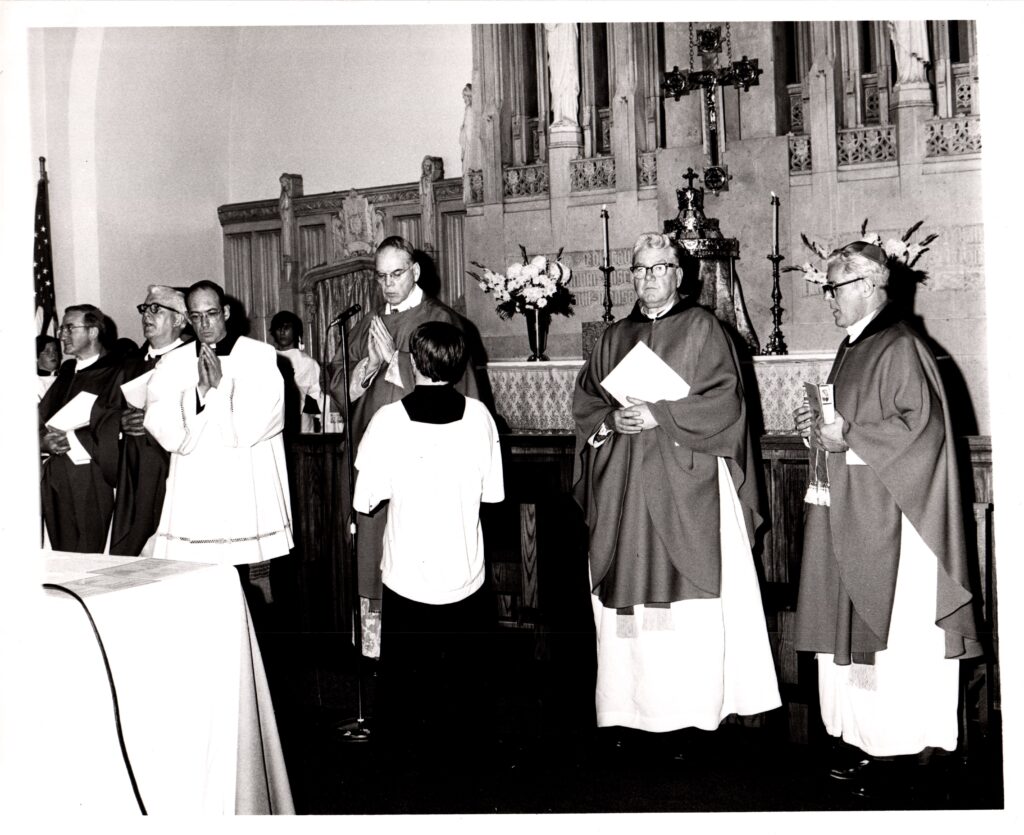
646, 376
135, 390
74, 415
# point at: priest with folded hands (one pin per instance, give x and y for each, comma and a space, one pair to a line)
665, 474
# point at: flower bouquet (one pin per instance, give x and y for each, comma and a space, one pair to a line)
535, 284
900, 254
536, 288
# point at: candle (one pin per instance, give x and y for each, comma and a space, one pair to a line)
775, 224
604, 215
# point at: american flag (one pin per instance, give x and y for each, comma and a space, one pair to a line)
42, 257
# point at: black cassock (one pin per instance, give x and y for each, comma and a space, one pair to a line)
141, 477
78, 499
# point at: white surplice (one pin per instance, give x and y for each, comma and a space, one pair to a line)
227, 496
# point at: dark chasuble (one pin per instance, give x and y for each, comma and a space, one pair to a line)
141, 475
889, 392
651, 499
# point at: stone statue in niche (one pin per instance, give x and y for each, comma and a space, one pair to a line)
291, 187
910, 43
563, 64
357, 228
432, 171
469, 139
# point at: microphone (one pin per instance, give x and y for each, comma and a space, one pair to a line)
344, 315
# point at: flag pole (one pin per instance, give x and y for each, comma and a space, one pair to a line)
46, 302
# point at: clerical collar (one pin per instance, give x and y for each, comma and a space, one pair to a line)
857, 328
638, 313
434, 404
222, 348
408, 303
153, 353
81, 365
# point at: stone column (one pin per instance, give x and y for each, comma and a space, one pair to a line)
487, 47
627, 106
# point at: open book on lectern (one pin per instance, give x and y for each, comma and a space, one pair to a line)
646, 376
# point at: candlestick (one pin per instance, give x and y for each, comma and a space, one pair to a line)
607, 270
604, 215
775, 224
776, 342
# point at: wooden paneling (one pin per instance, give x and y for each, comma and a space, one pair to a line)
320, 490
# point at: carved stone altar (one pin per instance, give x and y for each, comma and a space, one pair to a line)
537, 396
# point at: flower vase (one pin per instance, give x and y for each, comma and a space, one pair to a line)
537, 322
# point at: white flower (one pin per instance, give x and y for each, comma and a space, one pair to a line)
514, 271
896, 249
539, 262
483, 286
542, 302
556, 271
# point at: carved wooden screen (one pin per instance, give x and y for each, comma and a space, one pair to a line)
251, 268
329, 290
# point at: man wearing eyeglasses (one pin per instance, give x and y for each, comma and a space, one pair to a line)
885, 598
381, 372
219, 411
669, 490
142, 472
78, 498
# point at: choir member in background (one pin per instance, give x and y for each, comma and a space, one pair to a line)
670, 495
218, 409
885, 598
78, 499
381, 372
142, 471
286, 331
47, 363
433, 457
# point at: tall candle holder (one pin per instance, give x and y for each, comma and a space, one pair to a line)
776, 343
607, 269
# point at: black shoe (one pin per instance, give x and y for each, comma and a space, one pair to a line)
853, 771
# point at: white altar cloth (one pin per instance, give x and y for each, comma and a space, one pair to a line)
195, 709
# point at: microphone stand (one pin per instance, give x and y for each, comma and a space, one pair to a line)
353, 730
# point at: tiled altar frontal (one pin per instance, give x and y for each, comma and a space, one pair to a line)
534, 396
537, 396
780, 383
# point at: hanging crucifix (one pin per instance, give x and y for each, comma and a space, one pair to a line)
743, 73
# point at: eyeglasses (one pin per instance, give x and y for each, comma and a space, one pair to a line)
657, 270
394, 275
154, 308
195, 317
828, 289
68, 328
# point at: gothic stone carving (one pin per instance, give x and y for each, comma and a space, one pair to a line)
357, 228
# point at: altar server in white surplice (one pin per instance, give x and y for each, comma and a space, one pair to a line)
219, 411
